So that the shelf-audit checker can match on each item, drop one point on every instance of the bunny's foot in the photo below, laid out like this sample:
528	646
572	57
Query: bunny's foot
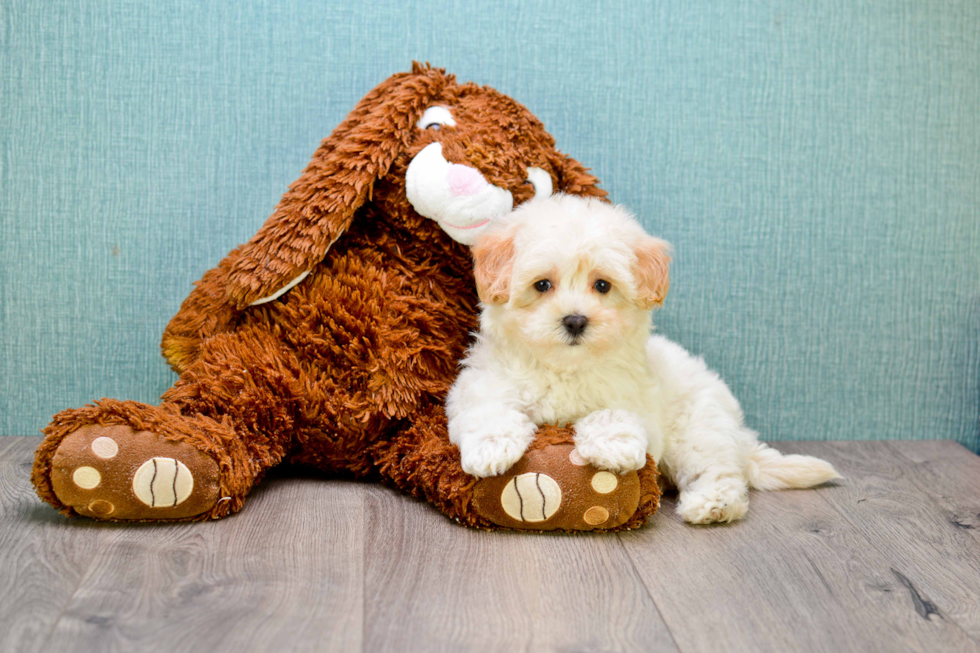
555	488
126	461
117	473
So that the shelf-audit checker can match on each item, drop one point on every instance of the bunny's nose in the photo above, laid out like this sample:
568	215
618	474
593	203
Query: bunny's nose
575	324
464	180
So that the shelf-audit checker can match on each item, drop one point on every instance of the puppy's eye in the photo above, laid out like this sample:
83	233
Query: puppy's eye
602	286
542	286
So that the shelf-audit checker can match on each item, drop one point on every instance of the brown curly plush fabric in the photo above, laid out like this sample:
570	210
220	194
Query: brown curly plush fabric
347	371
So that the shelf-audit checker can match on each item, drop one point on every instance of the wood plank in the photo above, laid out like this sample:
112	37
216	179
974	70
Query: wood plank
284	574
16	443
950	474
939	561
790	577
886	560
43	556
432	585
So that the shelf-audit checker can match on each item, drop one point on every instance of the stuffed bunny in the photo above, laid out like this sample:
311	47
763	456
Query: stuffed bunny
331	338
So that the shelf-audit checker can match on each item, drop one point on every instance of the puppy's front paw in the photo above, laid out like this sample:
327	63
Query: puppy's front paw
490	442
617	453
613	440
491	456
723	501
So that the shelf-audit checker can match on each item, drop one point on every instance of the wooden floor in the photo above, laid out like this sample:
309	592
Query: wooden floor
887	560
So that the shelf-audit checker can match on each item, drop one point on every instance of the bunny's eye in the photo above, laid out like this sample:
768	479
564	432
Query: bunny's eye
542	286
435	117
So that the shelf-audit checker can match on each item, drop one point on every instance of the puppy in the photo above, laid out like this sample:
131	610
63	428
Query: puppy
568	286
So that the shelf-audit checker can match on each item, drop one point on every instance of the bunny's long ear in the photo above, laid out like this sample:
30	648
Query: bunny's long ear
319	206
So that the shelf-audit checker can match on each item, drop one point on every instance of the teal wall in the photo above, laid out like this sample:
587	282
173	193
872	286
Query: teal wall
815	162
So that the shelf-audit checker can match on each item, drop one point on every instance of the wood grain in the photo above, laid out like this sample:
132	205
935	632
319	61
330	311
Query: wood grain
431	585
790	577
284	575
950	474
43	557
936	562
886	560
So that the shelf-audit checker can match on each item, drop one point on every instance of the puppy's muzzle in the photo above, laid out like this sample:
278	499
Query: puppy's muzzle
575	324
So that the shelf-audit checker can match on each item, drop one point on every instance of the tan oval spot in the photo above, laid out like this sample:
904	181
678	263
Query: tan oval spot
531	497
86	477
576	458
101	508
604	482
105	447
595	515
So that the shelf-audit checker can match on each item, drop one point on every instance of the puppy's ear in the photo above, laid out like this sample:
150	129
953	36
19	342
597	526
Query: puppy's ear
319	207
493	258
651	271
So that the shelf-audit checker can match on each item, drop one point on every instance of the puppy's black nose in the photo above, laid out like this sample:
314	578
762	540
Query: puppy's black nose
575	324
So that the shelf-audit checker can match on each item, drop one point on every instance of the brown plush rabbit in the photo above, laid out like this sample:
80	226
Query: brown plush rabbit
331	338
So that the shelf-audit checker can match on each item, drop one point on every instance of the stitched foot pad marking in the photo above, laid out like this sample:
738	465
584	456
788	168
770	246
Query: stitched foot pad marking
604	482
105	448
531	497
595	515
577	459
115	472
554	488
101	508
163	482
86	477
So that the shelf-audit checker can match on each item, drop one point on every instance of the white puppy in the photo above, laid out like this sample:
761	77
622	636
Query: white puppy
568	286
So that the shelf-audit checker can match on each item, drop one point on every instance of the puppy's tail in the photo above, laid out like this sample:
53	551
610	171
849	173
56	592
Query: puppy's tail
771	470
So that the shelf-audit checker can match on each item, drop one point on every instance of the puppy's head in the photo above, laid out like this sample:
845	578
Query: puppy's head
570	278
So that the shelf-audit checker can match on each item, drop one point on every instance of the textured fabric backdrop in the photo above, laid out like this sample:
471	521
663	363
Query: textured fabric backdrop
816	164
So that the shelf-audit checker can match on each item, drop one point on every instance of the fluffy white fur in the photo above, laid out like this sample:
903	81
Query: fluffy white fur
627	392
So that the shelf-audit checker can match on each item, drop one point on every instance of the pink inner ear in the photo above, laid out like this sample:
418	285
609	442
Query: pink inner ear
464	180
